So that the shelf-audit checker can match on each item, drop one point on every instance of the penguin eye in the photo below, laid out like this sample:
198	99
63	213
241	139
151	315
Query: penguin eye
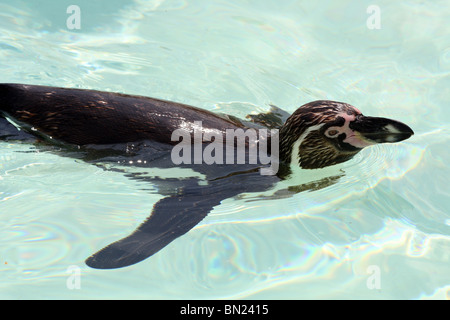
333	132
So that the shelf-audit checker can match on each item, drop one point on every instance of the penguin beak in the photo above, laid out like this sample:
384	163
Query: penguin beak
380	130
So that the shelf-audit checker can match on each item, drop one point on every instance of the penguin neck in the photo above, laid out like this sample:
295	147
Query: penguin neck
291	140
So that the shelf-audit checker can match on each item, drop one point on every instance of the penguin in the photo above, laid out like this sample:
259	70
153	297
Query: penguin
101	127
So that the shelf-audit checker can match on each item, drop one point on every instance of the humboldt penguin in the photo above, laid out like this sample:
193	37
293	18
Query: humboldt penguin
104	127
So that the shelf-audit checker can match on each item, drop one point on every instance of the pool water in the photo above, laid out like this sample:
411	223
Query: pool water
382	231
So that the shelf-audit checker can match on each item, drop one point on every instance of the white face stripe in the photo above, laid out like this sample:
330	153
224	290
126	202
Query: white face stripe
295	158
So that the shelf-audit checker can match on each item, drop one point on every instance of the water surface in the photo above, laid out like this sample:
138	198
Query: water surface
388	214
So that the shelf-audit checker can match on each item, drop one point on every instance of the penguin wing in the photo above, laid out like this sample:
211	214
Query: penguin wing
171	217
175	215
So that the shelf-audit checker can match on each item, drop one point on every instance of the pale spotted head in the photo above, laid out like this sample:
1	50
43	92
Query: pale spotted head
324	133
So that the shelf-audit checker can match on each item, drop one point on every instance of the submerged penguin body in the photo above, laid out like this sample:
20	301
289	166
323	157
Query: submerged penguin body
101	126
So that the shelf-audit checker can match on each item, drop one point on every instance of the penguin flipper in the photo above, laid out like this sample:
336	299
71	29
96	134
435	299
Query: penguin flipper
9	132
171	218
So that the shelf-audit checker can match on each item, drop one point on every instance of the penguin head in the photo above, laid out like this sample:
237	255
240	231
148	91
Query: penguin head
323	133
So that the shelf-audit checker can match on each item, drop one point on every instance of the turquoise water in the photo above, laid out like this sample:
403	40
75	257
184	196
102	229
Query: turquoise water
381	232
